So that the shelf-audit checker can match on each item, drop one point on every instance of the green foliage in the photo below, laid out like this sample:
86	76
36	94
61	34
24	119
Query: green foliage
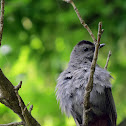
37	40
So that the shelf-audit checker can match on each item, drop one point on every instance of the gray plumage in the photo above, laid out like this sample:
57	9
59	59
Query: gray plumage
72	82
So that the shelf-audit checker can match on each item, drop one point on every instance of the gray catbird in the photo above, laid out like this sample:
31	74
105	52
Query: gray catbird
71	86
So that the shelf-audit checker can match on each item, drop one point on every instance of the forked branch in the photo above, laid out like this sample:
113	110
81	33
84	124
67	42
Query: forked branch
10	97
89	86
106	65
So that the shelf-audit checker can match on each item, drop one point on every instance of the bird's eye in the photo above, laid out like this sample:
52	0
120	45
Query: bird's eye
85	49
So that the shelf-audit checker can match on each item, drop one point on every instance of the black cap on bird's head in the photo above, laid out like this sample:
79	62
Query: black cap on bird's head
84	50
85	42
89	43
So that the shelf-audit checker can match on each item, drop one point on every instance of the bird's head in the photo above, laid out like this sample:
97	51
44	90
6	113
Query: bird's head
84	50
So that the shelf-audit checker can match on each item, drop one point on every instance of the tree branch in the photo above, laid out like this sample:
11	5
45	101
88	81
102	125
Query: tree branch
10	96
106	65
89	86
30	109
81	20
1	20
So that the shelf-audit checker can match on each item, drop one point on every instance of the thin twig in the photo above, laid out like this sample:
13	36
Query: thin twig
13	124
81	20
30	109
20	102
18	86
24	111
102	31
26	107
106	65
19	98
1	20
89	86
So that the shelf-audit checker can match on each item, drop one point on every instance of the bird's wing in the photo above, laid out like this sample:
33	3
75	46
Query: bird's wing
110	106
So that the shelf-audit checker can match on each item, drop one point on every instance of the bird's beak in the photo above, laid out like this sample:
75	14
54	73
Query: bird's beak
101	45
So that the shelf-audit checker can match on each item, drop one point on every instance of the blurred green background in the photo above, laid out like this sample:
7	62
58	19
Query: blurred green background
37	40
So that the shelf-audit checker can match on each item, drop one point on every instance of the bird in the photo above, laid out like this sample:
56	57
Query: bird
71	85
